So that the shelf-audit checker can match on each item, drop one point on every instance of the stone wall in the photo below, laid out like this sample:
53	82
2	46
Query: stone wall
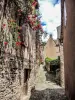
14	58
62	66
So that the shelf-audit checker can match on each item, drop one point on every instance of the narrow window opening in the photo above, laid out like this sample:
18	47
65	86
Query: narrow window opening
26	77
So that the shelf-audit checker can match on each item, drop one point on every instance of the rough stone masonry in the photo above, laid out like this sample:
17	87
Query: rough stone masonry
18	65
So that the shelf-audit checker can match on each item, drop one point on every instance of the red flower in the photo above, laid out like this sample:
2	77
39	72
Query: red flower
32	22
34	16
18	43
20	28
34	3
5	43
28	18
39	26
34	28
22	42
4	25
18	32
19	10
19	37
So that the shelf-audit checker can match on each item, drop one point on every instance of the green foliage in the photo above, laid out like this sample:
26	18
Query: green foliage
43	43
52	61
49	59
31	1
13	35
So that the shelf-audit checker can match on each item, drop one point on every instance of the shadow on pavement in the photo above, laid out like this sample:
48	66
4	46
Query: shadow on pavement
51	76
48	94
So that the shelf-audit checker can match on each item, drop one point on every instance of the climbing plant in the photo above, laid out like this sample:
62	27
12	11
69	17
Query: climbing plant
52	61
28	13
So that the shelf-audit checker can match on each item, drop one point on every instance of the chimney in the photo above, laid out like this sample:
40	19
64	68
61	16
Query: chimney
51	36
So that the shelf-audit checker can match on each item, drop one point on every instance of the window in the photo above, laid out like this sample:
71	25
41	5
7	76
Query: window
26	74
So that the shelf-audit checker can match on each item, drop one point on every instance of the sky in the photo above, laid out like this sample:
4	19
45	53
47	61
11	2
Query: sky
51	16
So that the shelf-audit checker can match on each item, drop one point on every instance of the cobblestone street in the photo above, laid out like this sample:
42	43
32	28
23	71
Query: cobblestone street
46	90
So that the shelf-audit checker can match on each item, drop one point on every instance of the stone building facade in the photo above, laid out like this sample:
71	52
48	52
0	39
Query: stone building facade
61	56
62	32
18	60
50	49
62	66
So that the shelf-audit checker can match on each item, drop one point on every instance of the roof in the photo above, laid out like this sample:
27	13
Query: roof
55	41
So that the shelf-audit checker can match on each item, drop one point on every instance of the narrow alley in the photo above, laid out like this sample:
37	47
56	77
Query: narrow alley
46	90
37	50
